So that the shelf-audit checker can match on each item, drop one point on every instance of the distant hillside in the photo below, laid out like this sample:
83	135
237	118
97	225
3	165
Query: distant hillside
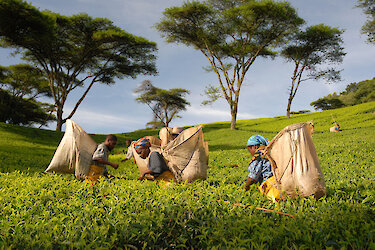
355	93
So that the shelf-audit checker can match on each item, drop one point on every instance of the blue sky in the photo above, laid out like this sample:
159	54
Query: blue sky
265	91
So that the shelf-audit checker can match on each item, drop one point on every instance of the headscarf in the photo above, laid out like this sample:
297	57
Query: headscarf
256	140
142	142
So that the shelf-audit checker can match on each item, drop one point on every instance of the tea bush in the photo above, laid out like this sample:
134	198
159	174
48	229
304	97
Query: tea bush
56	211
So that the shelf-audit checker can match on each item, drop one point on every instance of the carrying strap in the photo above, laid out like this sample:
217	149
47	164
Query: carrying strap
294	149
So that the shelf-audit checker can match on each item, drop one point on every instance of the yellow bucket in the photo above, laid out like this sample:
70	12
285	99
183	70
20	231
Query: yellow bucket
269	188
167	177
94	174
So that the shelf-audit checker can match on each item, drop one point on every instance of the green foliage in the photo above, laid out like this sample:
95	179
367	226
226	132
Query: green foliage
20	85
212	93
355	93
308	50
328	102
56	211
73	51
166	104
231	34
23	80
368	28
299	112
22	111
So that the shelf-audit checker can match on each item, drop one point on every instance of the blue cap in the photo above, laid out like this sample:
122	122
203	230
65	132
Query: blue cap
256	140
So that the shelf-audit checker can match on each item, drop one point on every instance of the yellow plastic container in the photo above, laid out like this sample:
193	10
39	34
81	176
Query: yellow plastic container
269	188
94	174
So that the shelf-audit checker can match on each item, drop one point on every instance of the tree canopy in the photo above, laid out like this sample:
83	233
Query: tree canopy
331	101
314	51
165	104
24	80
22	111
75	51
20	85
368	28
231	34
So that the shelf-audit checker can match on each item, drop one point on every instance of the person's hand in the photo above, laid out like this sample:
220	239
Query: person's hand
115	165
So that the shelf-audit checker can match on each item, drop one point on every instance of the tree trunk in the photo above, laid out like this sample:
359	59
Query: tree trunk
288	107
59	119
233	112
166	123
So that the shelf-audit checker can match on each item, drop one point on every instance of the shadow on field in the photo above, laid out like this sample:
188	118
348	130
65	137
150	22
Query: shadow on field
39	136
213	127
25	158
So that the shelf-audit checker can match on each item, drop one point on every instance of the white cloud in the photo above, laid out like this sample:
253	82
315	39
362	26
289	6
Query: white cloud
101	119
219	114
99	122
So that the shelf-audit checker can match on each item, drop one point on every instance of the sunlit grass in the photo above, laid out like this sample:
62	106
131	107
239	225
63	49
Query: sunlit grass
56	211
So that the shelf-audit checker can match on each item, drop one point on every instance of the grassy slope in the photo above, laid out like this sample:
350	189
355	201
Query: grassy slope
39	210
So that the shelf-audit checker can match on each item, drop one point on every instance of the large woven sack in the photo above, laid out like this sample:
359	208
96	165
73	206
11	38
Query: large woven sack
187	155
295	163
165	135
74	153
154	140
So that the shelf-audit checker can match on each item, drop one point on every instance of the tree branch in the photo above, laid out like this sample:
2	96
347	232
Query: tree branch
80	100
217	73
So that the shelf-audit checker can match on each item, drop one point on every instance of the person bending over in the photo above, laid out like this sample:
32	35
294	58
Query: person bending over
100	159
260	168
156	164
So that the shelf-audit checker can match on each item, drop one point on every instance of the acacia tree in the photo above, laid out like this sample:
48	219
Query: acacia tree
368	28
231	34
165	104
318	45
25	81
76	51
20	85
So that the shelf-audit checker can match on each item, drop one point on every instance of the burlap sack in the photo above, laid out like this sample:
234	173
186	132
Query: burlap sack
154	140
295	163
74	153
187	155
165	135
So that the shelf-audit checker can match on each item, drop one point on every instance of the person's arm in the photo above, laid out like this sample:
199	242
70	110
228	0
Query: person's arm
102	161
99	156
254	173
248	183
129	155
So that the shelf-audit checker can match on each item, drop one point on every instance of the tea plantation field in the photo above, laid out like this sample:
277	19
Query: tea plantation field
56	211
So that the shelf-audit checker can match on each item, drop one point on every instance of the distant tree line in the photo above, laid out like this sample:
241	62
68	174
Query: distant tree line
355	93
